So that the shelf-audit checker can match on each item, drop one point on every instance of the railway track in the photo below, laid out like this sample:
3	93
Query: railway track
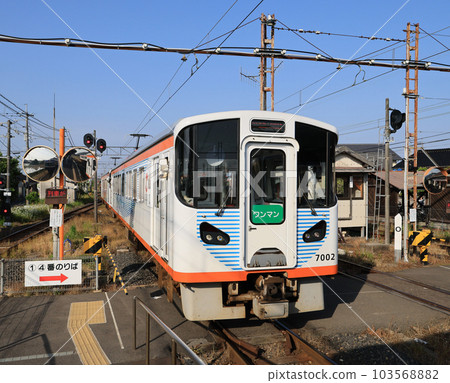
12	240
292	350
416	291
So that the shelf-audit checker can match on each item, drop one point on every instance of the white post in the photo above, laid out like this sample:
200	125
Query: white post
398	238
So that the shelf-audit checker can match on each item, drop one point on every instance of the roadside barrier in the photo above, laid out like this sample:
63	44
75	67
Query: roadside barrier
421	240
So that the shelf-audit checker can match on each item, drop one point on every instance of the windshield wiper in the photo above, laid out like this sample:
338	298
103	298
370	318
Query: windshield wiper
313	211
219	212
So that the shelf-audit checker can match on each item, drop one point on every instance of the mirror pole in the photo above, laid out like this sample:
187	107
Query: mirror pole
61	186
95	178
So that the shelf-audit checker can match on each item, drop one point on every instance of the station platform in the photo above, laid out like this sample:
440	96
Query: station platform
50	329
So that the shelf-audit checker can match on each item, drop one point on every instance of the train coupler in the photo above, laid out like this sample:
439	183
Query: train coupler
270	310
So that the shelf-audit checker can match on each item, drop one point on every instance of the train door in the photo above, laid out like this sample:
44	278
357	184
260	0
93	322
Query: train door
270	205
162	174
156	236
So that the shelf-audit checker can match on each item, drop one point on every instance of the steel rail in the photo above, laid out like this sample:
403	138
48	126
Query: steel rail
421	284
242	352
424	302
67	216
315	355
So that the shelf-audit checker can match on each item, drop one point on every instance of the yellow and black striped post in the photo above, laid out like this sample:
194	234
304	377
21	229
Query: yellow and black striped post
422	240
116	271
94	245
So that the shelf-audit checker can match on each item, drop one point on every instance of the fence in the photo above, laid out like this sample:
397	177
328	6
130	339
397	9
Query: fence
174	337
12	276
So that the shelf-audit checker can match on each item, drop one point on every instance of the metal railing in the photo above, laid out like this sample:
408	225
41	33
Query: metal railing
174	337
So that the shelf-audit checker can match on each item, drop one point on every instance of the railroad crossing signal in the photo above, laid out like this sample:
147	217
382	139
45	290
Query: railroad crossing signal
2	182
396	120
88	140
101	145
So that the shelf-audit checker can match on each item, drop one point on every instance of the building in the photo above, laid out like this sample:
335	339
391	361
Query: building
352	175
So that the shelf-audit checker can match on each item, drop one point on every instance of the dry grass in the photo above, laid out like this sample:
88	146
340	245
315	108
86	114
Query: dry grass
427	344
367	253
77	228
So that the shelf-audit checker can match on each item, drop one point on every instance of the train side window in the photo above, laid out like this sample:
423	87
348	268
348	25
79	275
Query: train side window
134	185
141	184
157	184
206	165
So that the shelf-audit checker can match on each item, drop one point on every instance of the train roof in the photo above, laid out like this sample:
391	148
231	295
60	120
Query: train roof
251	114
246	114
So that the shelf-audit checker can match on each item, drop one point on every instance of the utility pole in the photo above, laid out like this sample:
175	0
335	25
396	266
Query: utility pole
267	45
411	92
412	84
8	159
387	168
27	142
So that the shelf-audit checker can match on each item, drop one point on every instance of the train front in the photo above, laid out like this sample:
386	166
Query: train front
255	214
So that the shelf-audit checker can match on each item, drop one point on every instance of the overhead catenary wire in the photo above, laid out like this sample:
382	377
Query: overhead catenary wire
201	65
183	61
317	32
380	51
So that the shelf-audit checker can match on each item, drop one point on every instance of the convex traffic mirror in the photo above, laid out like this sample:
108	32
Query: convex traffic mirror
40	163
78	164
435	180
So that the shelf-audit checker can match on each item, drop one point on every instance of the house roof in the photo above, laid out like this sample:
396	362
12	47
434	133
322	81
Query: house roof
396	178
345	149
372	151
440	156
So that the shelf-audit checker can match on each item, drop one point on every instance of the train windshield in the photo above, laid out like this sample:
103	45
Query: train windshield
207	165
315	166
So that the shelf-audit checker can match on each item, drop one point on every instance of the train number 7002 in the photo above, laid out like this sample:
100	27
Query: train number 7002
325	257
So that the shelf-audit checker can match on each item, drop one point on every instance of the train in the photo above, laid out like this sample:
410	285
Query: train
238	208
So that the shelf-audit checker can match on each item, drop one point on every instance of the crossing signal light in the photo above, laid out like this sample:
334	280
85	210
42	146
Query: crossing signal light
2	182
88	140
397	119
101	145
6	210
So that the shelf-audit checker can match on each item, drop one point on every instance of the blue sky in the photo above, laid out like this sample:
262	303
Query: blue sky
112	94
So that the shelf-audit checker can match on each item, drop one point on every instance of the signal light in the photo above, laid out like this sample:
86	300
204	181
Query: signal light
101	145
397	119
88	140
6	210
2	182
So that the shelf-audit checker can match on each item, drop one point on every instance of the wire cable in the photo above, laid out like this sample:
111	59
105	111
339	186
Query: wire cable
201	65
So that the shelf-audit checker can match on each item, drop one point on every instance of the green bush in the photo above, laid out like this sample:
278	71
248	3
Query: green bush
29	213
76	236
33	198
